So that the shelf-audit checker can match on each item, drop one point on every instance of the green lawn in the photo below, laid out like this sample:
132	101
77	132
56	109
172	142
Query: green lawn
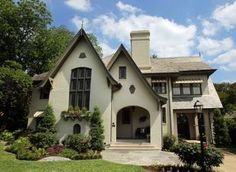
8	162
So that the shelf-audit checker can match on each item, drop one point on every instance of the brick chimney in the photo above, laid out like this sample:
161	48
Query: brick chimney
140	44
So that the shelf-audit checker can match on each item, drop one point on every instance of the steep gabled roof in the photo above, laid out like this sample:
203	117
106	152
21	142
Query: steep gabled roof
80	35
122	49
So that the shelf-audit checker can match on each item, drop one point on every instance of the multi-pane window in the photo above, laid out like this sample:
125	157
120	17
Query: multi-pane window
159	87
187	89
122	72
80	87
176	89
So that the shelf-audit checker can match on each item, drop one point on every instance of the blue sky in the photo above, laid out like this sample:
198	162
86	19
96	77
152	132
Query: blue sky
177	27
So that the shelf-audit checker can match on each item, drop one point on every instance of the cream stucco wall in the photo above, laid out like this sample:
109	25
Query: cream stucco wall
100	94
36	104
141	97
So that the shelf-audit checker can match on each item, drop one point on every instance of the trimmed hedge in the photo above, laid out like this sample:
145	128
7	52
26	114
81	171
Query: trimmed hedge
78	142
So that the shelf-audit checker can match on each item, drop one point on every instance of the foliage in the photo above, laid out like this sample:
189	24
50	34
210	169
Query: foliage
20	143
190	154
88	155
30	154
76	113
43	140
15	91
7	136
227	94
78	142
222	137
212	158
169	142
96	131
187	153
55	150
180	168
47	123
69	153
95	43
231	123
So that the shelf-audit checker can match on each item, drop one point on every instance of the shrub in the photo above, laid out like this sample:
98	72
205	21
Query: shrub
187	153
96	131
30	154
19	144
47	123
43	140
7	136
168	142
55	150
212	158
88	155
78	142
231	123
190	154
222	137
69	153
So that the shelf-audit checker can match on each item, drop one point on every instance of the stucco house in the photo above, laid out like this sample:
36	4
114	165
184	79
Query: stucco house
139	97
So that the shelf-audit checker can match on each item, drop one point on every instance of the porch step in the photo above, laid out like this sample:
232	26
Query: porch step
131	147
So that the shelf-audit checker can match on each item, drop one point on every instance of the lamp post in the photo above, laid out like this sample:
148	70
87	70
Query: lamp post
198	106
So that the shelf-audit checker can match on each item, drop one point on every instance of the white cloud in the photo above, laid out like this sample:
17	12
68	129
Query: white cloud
127	8
77	20
81	5
209	28
167	37
214	47
227	61
226	15
106	49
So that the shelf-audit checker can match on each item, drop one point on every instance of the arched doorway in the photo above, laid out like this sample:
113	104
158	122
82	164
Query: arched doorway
133	122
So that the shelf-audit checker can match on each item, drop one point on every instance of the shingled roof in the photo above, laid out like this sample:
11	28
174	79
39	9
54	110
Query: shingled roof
174	65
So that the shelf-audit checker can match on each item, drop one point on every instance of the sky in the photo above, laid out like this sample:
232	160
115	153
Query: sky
177	27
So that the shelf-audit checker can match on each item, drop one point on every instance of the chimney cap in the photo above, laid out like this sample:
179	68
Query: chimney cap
139	32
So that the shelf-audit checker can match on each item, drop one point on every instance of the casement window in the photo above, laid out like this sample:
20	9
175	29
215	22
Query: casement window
125	116
187	89
44	93
122	72
163	115
159	87
76	129
176	89
80	87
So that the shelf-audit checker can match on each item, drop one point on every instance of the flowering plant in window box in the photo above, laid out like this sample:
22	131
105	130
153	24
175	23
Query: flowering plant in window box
76	113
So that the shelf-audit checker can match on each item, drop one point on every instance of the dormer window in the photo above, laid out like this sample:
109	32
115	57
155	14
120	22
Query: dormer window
122	72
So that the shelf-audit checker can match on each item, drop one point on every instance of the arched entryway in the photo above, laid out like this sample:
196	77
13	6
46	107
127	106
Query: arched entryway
133	122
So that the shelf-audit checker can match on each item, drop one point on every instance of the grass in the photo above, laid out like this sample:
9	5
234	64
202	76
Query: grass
9	163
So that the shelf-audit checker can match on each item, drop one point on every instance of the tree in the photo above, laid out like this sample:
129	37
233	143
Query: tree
96	131
47	123
15	91
20	23
95	43
221	130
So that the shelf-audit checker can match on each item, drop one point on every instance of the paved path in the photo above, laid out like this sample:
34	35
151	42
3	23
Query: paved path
140	157
229	163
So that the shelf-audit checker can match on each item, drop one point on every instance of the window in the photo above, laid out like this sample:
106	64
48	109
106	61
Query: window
164	115
196	89
187	89
44	93
125	116
76	129
122	72
80	87
159	87
176	89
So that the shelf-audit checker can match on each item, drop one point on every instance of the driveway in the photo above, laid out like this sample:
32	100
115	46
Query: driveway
229	161
140	157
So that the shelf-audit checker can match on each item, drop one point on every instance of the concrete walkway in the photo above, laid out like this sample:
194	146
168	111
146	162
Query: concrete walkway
140	157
